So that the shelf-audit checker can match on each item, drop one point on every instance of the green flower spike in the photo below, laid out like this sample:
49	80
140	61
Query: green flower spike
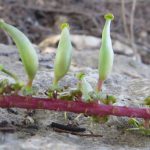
63	55
106	54
27	52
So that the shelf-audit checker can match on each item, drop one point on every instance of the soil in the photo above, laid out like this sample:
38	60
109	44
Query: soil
129	82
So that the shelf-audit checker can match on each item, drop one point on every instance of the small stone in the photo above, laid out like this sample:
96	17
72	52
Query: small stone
121	48
82	42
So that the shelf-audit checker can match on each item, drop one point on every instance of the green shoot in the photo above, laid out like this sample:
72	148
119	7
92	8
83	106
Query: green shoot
63	55
27	52
2	69
106	54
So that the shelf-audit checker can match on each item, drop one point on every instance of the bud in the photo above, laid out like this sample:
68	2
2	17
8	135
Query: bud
85	87
106	54
63	54
27	52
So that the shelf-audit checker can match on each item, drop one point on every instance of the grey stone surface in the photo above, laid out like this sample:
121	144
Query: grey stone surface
129	82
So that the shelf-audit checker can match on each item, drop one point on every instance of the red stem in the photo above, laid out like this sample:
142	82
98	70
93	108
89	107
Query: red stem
99	85
72	106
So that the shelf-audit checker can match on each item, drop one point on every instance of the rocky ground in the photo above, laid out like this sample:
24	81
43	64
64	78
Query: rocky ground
129	82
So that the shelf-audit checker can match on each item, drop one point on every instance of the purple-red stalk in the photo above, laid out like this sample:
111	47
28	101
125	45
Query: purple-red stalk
91	109
99	85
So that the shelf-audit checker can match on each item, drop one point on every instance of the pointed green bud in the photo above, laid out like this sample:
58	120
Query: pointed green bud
27	52
106	54
85	87
63	54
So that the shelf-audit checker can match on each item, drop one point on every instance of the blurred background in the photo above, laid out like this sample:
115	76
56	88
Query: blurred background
39	19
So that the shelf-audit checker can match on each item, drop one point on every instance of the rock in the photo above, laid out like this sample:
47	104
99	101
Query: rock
50	41
121	48
145	54
7	50
80	42
49	50
84	42
86	58
129	82
122	64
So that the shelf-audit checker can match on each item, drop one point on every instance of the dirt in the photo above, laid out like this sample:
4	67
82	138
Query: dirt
129	82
